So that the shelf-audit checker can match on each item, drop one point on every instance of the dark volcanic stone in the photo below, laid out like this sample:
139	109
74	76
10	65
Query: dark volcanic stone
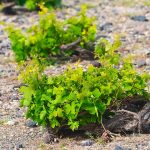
139	18
8	10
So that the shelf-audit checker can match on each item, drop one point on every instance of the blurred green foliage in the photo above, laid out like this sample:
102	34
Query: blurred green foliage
33	4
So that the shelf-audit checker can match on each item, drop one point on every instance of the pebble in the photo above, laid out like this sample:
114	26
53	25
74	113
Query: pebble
19	146
6	44
140	63
138	146
19	113
11	122
147	116
147	68
148	61
1	32
30	124
148	55
118	147
96	64
87	142
107	27
143	146
14	97
139	18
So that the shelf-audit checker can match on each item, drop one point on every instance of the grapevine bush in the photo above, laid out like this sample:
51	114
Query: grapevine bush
78	97
45	39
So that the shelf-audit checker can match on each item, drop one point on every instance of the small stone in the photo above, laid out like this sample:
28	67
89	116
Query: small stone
56	140
31	124
107	26
138	146
96	64
139	18
148	55
148	61
147	116
19	145
1	32
19	114
13	97
146	128
147	68
87	142
118	147
140	63
78	9
11	122
6	44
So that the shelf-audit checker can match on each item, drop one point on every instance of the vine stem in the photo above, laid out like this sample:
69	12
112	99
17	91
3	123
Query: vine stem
107	131
103	125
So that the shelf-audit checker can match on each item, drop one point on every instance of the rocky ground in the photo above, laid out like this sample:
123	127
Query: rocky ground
130	19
